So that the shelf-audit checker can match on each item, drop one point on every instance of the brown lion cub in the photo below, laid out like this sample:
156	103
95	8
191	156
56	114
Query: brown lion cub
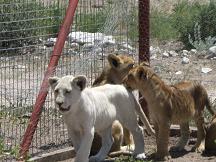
117	68
210	141
171	104
115	71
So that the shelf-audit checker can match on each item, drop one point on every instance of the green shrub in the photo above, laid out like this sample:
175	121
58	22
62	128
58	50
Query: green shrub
161	26
207	20
200	43
22	23
90	22
186	16
95	21
133	32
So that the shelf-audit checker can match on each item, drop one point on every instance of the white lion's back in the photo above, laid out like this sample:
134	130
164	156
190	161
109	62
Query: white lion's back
114	95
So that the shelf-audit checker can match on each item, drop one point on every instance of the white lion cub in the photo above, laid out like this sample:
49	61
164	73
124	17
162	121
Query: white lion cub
89	110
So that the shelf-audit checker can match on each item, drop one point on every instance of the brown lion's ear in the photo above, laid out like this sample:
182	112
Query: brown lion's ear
141	73
53	81
80	82
113	60
145	63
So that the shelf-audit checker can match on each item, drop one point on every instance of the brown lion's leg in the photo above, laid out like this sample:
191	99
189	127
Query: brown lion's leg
96	144
201	133
156	136
156	130
185	132
117	134
162	142
128	138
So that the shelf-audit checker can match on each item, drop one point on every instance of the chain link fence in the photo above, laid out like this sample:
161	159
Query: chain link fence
183	41
182	46
28	32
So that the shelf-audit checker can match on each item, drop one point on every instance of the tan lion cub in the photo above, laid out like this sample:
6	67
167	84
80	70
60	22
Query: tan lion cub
171	104
117	68
115	71
89	110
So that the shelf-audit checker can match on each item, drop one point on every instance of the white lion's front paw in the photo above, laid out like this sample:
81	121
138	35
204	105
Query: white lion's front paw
140	156
94	159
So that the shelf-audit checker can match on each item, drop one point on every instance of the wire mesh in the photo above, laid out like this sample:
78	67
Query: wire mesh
181	46
28	32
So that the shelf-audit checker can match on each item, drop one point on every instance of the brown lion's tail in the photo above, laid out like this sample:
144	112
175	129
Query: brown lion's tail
201	97
143	117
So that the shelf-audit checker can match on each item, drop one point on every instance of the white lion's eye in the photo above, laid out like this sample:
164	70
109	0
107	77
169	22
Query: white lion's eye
56	91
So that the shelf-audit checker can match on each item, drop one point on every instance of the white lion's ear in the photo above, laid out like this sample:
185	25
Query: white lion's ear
80	82
53	81
113	60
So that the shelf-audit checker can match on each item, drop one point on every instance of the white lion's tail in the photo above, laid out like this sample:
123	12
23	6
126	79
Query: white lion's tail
143	117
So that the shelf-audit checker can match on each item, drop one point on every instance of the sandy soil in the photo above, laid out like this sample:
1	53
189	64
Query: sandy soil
184	156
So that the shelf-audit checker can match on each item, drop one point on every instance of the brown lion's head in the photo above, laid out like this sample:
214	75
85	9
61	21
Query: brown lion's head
138	76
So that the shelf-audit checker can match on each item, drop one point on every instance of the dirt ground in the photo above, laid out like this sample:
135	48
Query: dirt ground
184	156
167	68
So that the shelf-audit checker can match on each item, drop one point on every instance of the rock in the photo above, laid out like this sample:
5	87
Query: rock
156	50
72	52
193	51
98	50
175	60
125	45
88	47
151	48
165	54
82	37
185	60
211	52
153	57
206	70
178	72
74	45
185	52
173	53
108	41
94	38
122	51
26	115
50	42
212	49
20	67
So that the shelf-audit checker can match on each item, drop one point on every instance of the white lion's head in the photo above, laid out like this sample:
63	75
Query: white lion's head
67	90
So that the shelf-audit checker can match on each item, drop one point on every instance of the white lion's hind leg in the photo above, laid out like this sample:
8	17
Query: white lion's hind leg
107	142
138	137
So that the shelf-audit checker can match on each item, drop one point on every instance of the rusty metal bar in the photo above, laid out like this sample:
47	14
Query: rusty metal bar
144	43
